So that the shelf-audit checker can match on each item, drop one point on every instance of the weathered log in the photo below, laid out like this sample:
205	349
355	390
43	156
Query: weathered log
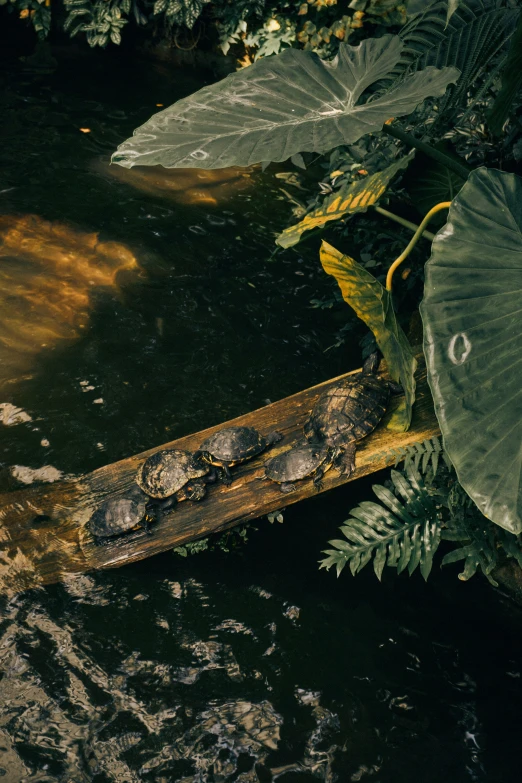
34	553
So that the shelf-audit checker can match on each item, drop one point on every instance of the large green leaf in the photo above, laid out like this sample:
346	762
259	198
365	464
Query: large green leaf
472	316
281	105
353	197
373	304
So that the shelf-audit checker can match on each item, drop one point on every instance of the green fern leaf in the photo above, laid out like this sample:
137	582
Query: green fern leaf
403	532
470	40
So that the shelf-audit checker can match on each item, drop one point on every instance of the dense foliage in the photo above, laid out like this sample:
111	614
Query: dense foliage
419	507
253	28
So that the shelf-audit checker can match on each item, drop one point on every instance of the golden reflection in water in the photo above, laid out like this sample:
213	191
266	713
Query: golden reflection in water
184	186
47	273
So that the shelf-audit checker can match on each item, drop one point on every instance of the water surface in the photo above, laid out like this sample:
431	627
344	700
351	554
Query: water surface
134	311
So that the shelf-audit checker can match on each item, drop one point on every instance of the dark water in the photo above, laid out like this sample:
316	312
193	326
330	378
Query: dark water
249	666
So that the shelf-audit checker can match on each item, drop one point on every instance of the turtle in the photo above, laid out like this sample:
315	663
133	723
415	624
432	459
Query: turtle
170	476
119	515
349	410
233	445
302	461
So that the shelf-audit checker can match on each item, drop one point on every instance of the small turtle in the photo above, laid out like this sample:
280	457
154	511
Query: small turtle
170	476
233	445
304	460
119	515
350	410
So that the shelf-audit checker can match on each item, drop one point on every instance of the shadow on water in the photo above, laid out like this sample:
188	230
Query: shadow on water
250	666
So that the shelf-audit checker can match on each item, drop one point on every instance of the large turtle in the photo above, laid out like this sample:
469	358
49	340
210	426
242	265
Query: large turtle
120	515
305	460
170	476
348	411
233	445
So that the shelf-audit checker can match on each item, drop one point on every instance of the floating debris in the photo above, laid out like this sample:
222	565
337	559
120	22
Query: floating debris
11	415
27	475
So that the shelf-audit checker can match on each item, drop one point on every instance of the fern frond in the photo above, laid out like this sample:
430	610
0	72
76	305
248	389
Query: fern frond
403	533
477	31
424	456
483	543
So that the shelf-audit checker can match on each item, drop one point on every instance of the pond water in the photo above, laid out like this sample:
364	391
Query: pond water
139	307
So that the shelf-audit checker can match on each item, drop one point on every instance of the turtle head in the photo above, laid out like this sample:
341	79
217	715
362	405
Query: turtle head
371	365
274	437
195	490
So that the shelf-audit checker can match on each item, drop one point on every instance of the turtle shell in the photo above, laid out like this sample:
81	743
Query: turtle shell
349	410
234	444
165	472
118	515
296	463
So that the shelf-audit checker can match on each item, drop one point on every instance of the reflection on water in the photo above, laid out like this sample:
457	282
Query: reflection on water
226	668
48	272
185	186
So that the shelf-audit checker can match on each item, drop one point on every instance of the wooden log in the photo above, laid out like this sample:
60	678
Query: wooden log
34	553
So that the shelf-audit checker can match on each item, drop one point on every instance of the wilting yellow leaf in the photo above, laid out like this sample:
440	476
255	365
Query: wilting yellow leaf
352	197
85	130
373	305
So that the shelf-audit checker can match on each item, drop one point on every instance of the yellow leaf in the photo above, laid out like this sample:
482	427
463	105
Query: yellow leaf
350	198
373	305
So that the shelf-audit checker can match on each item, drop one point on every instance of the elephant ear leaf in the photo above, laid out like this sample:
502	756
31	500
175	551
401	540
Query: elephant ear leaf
473	341
349	199
280	106
373	304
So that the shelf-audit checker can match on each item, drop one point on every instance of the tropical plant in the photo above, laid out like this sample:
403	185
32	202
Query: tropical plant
255	28
282	106
472	326
416	512
400	534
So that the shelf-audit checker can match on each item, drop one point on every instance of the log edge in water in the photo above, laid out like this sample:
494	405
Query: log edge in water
36	553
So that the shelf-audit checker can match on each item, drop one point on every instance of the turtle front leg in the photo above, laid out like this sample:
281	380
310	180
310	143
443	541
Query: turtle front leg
346	461
154	511
308	429
318	478
395	388
227	477
286	487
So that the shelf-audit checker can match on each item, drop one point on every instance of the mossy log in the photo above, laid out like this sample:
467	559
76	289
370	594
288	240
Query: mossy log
34	553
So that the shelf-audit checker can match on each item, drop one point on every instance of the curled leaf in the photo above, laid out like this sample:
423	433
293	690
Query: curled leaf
373	304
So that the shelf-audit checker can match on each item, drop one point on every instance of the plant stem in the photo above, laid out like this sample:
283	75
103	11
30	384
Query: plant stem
415	238
404	222
461	169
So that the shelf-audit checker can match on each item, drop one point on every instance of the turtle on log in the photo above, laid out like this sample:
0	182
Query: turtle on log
170	476
233	445
119	515
349	410
304	460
